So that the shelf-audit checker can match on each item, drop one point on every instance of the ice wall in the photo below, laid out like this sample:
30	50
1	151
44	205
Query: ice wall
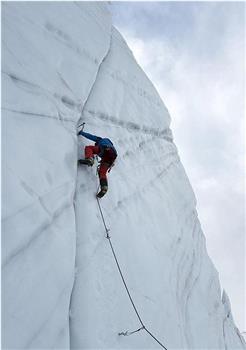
50	56
63	63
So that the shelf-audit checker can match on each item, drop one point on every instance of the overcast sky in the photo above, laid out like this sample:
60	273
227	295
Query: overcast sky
193	52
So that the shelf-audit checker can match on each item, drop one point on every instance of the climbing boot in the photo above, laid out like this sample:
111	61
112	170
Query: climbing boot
104	188
102	192
87	161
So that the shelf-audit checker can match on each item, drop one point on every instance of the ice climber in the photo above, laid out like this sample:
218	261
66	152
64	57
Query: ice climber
104	148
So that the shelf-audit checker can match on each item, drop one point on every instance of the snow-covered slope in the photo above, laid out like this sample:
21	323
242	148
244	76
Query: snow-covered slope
63	63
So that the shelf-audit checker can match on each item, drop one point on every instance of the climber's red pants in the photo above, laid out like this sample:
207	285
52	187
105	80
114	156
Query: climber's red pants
106	162
91	150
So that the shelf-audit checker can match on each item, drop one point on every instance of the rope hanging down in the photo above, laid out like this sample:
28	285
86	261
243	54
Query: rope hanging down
127	333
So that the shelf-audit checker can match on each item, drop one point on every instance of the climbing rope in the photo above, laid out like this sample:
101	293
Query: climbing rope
127	333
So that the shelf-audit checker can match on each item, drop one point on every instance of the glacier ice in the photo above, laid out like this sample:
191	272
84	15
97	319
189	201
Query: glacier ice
64	62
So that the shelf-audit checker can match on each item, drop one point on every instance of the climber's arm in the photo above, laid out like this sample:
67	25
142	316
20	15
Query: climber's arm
90	136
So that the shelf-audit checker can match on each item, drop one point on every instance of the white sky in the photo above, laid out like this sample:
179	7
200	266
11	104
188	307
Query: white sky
194	54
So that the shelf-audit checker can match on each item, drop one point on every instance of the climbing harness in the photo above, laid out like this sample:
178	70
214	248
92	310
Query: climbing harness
127	333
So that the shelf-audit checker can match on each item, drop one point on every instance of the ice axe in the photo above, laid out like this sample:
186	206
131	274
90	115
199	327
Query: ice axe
83	125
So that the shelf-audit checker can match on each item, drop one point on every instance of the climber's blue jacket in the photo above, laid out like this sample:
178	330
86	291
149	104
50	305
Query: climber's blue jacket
101	142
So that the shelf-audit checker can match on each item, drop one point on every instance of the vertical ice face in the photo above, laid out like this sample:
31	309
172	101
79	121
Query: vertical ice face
64	62
50	56
150	210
